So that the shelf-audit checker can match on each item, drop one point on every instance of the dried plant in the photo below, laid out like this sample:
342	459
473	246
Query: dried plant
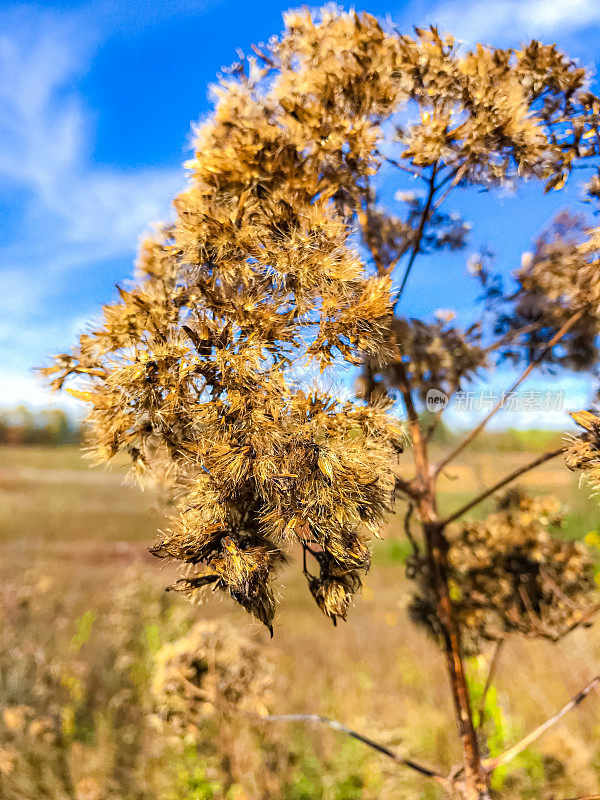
513	571
281	259
209	666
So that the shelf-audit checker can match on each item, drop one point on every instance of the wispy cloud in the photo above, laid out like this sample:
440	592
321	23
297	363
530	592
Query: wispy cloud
66	214
497	21
45	134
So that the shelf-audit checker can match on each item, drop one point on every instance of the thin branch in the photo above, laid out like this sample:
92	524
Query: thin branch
449	176
419	445
438	414
502	483
511	335
469	438
415	173
488	682
407	398
537	624
364	216
433	427
405	486
558	591
338	726
317	719
263	57
491	764
417	245
458	175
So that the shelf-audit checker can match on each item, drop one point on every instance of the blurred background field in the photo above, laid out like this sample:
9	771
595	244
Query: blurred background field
84	612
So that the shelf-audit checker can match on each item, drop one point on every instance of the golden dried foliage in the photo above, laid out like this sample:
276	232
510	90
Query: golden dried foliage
213	666
192	370
583	452
279	261
557	280
512	572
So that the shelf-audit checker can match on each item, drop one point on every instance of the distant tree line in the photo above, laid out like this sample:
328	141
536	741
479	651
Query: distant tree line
21	425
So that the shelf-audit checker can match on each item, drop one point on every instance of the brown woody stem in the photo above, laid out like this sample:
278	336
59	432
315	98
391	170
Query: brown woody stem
475	784
475	775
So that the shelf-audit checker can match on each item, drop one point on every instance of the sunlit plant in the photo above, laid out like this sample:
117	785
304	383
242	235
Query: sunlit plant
283	264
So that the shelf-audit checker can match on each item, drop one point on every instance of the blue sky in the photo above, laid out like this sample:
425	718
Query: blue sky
96	103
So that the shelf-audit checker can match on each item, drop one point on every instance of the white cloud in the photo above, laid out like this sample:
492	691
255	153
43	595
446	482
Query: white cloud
45	133
65	214
22	389
496	21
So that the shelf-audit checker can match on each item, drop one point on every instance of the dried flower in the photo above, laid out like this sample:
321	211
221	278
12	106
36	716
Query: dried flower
513	572
212	666
583	451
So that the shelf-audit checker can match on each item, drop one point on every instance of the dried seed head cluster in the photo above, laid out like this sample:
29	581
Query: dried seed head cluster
498	113
191	368
427	356
212	666
583	451
559	278
315	475
512	572
333	587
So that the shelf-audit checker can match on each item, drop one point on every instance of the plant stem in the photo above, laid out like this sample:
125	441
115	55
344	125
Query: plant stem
511	336
488	682
469	438
512	752
475	781
456	177
423	221
503	482
416	434
317	719
338	726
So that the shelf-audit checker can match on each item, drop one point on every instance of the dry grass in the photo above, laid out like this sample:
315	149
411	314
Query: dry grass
83	613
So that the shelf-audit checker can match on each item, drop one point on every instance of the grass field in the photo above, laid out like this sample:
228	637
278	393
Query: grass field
84	611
